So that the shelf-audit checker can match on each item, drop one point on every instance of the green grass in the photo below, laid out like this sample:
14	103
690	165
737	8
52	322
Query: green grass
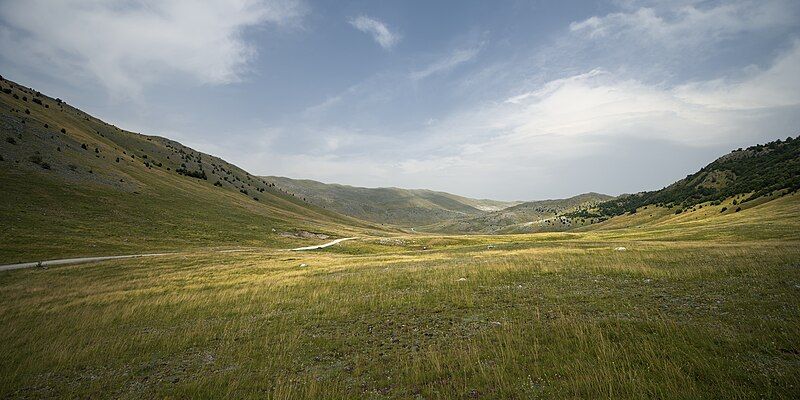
42	219
535	316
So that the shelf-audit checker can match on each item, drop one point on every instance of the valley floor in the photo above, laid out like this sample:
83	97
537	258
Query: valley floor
526	316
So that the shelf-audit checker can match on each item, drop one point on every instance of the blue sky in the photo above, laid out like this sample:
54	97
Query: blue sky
506	100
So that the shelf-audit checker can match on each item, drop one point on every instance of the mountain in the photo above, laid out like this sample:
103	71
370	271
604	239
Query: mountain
531	216
74	185
402	207
750	173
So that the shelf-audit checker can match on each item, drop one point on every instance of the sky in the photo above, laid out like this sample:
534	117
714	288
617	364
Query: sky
509	100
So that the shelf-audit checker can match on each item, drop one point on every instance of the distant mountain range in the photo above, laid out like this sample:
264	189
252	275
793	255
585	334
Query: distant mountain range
403	207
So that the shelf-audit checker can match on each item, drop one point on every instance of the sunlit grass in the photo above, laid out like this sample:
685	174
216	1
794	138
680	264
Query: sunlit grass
526	318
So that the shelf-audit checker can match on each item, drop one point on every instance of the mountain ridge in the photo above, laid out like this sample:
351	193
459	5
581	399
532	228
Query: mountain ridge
387	205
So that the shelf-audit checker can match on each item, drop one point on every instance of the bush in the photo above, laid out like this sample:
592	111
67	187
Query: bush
723	209
11	140
63	130
194	174
738	209
36	159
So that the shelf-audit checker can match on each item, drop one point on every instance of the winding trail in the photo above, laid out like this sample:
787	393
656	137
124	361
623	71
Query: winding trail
83	260
322	246
70	261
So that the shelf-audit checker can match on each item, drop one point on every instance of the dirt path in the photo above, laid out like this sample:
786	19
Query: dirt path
322	246
83	260
70	261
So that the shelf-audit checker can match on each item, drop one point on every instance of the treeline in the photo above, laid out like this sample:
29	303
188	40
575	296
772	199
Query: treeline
759	169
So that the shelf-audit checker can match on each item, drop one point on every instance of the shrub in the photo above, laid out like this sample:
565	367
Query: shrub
11	140
36	159
194	174
83	146
738	209
45	165
723	209
63	130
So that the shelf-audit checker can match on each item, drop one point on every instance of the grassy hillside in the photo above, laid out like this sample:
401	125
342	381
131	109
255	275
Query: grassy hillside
757	171
696	307
403	207
531	216
73	185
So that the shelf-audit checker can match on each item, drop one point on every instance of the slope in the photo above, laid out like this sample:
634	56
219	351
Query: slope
403	207
73	185
758	170
531	216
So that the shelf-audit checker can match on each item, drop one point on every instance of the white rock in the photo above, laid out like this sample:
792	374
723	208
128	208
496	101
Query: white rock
462	279
303	265
620	249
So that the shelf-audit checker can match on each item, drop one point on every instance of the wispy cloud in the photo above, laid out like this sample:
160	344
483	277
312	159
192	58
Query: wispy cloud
687	24
126	45
447	63
377	29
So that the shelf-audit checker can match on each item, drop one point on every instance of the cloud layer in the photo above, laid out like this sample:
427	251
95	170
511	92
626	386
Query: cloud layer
127	44
609	111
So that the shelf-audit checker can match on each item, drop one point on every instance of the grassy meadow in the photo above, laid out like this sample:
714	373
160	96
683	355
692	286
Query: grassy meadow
690	309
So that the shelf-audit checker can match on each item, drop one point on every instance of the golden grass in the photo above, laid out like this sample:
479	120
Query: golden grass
691	309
